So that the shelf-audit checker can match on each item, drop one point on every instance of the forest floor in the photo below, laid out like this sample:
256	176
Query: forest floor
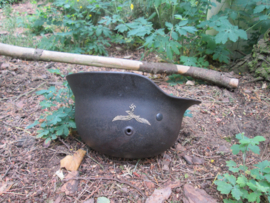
28	167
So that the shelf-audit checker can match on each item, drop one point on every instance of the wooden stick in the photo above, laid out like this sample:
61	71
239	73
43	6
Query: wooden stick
215	77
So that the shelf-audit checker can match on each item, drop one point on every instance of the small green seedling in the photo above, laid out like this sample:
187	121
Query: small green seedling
59	116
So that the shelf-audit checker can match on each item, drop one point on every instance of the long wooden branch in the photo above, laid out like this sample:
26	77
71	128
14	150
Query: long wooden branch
215	77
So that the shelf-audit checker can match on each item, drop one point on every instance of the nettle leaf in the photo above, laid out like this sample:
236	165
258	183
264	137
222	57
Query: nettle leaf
71	124
258	139
241	136
267	177
174	35
230	178
54	137
254	196
32	125
42	133
243	167
235	149
223	187
263	17
236	193
189	61
46	104
230	33
254	149
259	8
233	15
231	165
252	185
242	181
262	165
182	23
169	25
255	173
189	29
261	188
121	28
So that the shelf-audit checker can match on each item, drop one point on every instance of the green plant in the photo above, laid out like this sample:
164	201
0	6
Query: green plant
246	184
58	118
4	3
168	27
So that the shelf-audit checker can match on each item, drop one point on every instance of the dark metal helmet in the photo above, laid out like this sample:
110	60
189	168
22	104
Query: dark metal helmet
125	114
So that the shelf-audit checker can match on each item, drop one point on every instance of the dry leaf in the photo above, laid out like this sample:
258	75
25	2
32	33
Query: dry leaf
159	195
5	186
71	186
72	163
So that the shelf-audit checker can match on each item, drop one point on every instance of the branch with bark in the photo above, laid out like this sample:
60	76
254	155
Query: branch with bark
215	77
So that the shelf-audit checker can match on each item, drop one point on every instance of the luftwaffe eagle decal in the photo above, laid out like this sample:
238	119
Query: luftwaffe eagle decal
130	116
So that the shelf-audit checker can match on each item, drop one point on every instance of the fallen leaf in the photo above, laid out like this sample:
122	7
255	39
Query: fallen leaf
71	186
159	195
192	195
127	57
72	163
60	174
103	200
5	186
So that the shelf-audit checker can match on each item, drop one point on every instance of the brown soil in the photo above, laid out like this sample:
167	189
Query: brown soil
30	166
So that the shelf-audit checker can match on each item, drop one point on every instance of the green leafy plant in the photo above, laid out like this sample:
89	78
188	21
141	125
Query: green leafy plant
168	27
245	183
58	118
4	3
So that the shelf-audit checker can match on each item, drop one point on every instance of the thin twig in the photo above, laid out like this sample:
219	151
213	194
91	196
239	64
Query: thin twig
93	159
6	173
24	94
93	192
64	143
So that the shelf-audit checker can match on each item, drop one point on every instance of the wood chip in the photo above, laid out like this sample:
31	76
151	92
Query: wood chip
192	195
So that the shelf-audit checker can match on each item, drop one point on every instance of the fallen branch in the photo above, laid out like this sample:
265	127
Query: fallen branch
215	77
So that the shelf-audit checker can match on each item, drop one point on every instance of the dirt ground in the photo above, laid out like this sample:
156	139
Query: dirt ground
29	166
